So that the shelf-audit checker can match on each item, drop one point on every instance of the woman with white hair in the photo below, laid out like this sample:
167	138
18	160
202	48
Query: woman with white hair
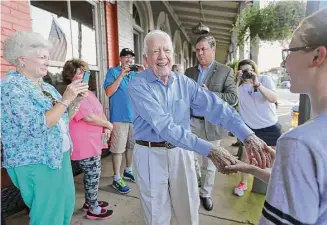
35	131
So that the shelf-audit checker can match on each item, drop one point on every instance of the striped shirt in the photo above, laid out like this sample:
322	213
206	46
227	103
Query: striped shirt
297	190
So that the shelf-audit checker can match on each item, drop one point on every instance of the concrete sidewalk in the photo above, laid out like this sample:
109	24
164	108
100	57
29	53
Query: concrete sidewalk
228	208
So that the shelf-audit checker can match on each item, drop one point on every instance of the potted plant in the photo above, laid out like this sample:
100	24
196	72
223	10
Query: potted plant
276	21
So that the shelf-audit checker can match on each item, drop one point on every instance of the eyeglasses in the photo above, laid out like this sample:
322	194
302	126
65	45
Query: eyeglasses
49	96
287	52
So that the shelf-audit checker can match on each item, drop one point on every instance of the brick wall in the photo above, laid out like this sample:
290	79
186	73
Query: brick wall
112	34
15	16
125	25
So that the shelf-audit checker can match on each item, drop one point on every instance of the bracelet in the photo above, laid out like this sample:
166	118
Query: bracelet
63	104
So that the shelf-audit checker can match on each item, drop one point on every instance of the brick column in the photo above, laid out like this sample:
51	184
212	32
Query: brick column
112	34
15	16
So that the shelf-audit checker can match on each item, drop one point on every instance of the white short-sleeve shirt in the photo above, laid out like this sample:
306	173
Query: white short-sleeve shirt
255	110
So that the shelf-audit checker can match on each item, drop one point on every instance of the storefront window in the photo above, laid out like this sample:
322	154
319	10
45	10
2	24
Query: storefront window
137	35
42	22
72	33
83	31
76	36
136	16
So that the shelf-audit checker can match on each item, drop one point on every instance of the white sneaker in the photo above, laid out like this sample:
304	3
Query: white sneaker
239	190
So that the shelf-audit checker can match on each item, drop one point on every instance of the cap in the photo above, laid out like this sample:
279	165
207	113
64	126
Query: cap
126	51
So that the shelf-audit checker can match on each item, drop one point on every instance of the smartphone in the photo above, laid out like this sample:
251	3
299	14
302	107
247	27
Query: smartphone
86	77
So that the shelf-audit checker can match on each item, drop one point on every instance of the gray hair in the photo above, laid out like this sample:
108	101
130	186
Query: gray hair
152	34
208	38
23	43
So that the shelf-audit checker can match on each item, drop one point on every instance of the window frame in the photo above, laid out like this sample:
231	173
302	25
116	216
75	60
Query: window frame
101	48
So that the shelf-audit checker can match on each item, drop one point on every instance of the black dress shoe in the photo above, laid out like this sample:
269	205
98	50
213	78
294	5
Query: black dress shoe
207	203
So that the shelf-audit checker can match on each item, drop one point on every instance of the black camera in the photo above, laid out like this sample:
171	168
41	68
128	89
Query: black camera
134	68
246	74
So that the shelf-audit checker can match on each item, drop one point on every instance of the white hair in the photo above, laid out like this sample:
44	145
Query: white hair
23	43
152	34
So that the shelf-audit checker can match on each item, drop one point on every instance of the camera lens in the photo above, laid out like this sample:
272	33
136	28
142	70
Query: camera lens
246	74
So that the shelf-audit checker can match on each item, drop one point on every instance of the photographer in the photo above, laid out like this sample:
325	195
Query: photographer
115	85
257	107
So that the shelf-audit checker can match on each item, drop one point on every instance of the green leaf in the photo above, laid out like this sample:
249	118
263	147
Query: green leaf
276	21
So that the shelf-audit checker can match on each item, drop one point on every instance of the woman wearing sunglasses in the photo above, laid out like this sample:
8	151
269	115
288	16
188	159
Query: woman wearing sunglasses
89	130
35	132
297	190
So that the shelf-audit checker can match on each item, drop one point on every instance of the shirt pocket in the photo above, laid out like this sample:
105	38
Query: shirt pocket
181	111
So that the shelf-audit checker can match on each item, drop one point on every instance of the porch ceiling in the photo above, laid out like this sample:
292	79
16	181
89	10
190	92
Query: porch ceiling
219	17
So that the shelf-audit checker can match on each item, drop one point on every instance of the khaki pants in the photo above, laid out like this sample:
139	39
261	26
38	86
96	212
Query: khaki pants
166	180
208	169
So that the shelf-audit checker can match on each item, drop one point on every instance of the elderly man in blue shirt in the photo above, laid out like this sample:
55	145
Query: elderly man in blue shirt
163	168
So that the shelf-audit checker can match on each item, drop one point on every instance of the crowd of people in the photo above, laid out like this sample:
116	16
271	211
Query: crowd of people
169	125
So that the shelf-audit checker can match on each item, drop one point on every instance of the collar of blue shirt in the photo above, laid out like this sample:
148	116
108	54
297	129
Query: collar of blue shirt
206	69
151	77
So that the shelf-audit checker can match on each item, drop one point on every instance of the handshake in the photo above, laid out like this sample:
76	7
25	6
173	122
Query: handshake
259	154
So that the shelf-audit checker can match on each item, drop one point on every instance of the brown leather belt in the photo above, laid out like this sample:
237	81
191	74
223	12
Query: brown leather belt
163	144
198	117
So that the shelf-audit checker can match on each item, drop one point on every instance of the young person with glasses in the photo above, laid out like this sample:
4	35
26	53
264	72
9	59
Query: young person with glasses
297	190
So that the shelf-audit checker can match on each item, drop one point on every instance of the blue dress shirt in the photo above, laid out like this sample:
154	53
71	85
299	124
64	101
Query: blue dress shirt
203	73
162	112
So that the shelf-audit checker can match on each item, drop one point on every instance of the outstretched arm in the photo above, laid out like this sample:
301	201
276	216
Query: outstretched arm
243	167
217	111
